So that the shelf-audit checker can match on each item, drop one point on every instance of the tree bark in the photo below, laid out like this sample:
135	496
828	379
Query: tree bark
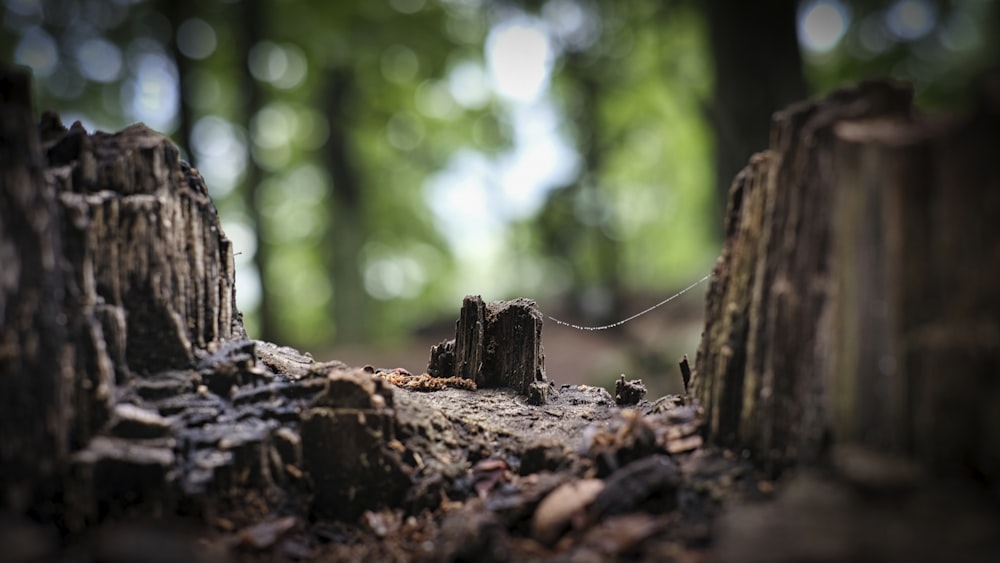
854	301
115	267
32	304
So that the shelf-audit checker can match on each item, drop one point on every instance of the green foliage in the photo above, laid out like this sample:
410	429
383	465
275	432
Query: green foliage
403	125
651	191
948	46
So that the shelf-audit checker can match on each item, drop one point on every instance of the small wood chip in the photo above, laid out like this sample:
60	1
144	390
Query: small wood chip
264	534
682	445
426	382
561	507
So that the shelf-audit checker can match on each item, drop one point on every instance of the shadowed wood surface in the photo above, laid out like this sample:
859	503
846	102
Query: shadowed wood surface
855	301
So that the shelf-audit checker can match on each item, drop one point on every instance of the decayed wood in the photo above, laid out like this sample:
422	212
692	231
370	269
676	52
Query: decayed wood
33	425
144	234
513	349
722	357
470	338
854	300
496	345
114	265
918	355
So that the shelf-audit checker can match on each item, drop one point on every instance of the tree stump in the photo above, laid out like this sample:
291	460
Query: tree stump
496	345
114	266
855	298
34	429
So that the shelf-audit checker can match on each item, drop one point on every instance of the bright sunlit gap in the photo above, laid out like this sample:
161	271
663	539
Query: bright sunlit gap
476	195
519	57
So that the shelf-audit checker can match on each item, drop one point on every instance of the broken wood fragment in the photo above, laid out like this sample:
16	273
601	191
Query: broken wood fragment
685	373
629	392
649	484
346	436
442	362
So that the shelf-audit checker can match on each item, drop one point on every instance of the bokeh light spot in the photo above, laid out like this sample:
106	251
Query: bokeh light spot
152	96
404	131
407	6
220	149
822	24
37	50
519	57
910	19
65	83
196	39
468	84
283	66
100	60
390	274
434	100
274	126
314	129
959	32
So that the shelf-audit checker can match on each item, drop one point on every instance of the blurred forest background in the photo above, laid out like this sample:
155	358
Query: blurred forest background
374	161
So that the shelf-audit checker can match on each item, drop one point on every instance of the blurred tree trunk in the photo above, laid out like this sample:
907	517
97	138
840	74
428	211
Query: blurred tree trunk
249	33
758	70
178	11
346	233
31	301
577	219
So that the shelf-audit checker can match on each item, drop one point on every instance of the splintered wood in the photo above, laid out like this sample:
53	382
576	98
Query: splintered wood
496	345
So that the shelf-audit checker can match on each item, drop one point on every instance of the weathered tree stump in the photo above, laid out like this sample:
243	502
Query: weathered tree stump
114	266
34	430
855	299
496	345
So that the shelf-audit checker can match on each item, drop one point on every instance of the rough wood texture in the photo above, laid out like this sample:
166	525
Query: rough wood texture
918	355
855	298
113	265
470	338
496	345
144	236
33	425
